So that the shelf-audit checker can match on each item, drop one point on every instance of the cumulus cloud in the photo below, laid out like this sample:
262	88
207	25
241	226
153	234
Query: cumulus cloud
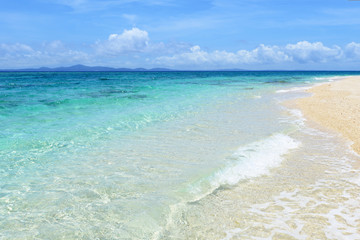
133	48
53	53
13	48
304	52
261	54
10	53
352	50
301	52
133	40
137	41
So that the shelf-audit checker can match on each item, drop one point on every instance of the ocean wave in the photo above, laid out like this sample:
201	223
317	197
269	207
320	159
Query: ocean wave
304	88
252	160
296	117
330	79
294	89
255	159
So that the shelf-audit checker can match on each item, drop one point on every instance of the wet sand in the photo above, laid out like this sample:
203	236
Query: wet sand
336	105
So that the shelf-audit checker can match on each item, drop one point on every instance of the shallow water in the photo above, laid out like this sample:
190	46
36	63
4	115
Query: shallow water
169	155
313	194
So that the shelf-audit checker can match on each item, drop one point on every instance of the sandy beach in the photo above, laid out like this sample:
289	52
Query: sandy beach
336	105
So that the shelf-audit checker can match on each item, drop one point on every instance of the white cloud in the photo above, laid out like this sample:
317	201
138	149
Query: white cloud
198	57
134	40
352	50
305	52
15	48
49	54
261	54
302	52
132	48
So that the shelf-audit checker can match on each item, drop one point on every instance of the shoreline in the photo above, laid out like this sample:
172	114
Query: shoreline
336	106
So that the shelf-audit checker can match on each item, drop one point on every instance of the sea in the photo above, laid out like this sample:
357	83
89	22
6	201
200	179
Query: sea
171	155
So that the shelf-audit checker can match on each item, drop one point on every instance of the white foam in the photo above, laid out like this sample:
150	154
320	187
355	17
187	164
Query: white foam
330	79
296	113
255	159
294	89
299	117
304	88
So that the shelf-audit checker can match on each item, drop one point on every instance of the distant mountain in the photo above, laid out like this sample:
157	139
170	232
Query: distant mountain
231	70
83	68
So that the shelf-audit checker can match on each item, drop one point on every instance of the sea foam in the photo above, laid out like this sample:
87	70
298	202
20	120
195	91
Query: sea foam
251	160
304	88
255	159
294	89
330	79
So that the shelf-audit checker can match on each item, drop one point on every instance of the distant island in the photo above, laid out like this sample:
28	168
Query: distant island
83	68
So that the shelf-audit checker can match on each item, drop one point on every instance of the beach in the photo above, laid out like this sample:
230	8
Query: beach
336	105
170	155
313	194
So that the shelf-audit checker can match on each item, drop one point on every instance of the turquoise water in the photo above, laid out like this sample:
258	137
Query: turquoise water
108	155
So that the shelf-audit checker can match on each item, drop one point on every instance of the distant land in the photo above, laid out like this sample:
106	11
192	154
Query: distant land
83	68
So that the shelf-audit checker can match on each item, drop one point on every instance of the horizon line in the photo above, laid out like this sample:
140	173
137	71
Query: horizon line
85	68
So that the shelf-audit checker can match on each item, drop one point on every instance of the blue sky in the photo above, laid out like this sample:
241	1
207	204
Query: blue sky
198	34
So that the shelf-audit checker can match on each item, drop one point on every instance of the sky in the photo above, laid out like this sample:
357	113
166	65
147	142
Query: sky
181	34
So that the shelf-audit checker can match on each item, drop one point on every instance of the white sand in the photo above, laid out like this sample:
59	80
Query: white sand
336	105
